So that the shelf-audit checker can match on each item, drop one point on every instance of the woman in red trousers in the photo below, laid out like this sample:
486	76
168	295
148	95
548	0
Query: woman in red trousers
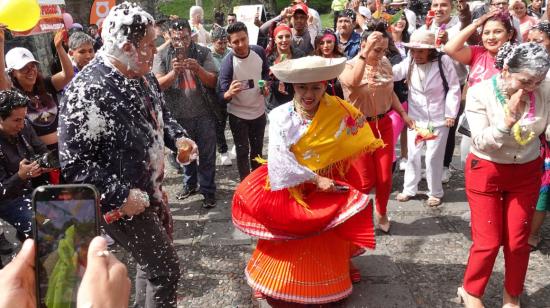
506	114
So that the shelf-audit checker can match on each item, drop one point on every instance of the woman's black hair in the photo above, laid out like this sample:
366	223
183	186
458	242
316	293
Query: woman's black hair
10	100
382	27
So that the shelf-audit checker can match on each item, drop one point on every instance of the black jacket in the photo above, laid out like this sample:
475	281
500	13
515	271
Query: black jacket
12	151
112	133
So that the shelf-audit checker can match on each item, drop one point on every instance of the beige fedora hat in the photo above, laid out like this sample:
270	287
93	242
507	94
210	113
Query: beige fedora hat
309	69
421	39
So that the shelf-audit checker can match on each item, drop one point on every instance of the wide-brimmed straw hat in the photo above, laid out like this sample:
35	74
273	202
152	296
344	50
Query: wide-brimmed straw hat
309	69
421	39
399	2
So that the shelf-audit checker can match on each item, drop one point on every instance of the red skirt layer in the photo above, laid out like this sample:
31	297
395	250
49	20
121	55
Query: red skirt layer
276	215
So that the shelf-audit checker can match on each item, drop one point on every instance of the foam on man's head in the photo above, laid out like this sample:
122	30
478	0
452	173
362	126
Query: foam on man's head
126	22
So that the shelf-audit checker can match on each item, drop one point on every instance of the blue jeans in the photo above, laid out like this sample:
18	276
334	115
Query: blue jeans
202	130
18	213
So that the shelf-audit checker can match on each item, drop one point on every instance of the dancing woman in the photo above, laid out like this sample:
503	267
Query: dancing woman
303	205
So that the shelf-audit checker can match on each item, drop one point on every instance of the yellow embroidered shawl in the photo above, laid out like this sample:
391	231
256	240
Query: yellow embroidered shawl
337	133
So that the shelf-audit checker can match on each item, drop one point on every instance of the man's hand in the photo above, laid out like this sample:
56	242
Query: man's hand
136	203
449	122
187	150
257	21
192	65
462	5
28	169
354	5
105	282
443	37
234	89
17	286
177	66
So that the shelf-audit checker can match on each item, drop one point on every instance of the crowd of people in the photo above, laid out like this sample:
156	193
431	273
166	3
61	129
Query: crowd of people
335	101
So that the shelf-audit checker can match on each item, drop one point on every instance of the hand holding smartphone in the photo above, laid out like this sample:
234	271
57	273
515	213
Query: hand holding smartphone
66	220
246	84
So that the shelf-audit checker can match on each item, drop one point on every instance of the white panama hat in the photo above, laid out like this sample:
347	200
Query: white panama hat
309	69
421	39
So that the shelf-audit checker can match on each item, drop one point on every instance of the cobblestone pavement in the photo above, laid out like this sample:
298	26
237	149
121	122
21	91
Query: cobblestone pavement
419	264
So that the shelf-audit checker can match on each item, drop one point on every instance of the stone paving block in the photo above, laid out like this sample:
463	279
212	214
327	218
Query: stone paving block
376	266
223	233
374	295
221	212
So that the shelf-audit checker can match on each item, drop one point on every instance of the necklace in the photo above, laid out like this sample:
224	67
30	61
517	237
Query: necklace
304	115
517	130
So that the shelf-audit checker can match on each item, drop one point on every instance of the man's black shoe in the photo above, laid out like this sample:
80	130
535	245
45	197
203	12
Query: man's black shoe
187	192
209	202
5	246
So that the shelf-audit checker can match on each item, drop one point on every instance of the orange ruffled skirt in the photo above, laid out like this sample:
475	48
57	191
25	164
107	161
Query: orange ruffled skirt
303	254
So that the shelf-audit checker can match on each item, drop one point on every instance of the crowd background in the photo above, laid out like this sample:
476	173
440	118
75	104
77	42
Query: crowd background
409	67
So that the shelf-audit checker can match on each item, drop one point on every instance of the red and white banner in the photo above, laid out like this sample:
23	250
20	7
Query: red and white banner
51	18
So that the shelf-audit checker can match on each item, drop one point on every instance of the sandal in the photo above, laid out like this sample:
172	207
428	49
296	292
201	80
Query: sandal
463	297
433	201
258	295
401	197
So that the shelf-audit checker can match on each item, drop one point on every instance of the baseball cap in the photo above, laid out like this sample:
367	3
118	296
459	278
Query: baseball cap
18	57
300	7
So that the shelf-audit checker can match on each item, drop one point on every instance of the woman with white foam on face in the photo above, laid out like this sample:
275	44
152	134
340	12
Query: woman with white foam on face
503	171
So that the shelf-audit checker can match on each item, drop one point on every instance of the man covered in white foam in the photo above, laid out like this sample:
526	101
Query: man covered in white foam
112	132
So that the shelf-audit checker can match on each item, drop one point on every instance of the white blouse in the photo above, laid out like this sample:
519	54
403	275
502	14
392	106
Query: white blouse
286	127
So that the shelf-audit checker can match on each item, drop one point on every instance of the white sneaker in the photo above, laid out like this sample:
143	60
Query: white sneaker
446	177
225	160
233	153
402	164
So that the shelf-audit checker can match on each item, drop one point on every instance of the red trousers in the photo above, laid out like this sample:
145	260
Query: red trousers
502	200
375	169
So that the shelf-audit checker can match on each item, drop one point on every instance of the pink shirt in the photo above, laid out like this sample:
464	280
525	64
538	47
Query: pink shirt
482	65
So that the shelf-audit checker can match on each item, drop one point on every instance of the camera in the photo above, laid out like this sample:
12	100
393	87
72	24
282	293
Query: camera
48	160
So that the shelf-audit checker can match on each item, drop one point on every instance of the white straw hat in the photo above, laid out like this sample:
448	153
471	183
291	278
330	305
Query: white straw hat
421	39
309	69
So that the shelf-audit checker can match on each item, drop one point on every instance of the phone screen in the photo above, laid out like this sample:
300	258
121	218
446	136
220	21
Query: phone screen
246	84
66	220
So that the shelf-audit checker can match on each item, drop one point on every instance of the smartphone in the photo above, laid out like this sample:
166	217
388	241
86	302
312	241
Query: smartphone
341	188
65	221
246	84
180	53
